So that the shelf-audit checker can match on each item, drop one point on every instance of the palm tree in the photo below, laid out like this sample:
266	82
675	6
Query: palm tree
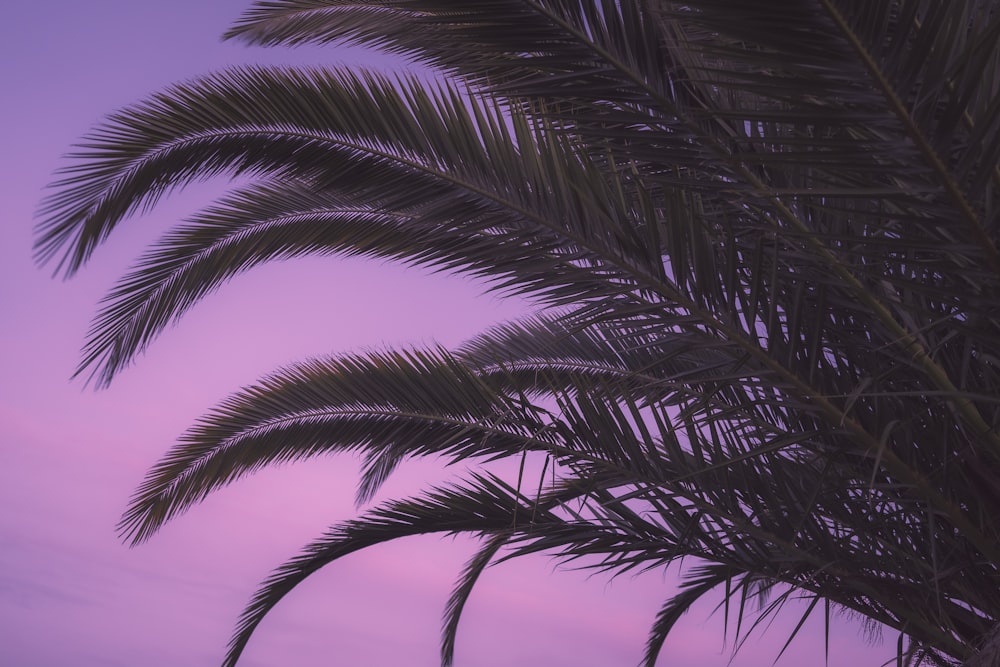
762	237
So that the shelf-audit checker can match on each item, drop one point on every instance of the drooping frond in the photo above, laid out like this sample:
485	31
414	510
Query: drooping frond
484	505
388	406
462	591
264	223
368	128
472	193
699	583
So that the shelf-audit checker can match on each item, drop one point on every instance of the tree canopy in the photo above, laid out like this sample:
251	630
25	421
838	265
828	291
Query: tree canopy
762	238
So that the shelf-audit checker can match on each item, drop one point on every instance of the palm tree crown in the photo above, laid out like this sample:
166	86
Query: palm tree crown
763	237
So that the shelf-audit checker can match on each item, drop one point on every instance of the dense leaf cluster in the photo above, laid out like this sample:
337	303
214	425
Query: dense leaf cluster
763	238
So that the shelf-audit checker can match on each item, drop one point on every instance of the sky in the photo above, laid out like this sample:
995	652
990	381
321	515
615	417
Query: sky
70	456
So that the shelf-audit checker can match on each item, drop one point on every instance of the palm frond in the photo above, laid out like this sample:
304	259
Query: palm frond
460	595
699	583
276	221
441	161
277	121
484	505
389	406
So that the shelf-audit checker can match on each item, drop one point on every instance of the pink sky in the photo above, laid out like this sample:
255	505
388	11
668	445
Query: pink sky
72	594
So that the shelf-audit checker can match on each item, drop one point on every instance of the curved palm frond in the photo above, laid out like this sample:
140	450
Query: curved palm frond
699	583
369	128
458	176
263	223
483	505
389	406
460	595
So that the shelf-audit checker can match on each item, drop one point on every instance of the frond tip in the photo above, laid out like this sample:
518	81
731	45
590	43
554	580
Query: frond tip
389	406
482	505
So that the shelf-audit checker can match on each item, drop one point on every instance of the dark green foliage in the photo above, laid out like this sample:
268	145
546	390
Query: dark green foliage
764	237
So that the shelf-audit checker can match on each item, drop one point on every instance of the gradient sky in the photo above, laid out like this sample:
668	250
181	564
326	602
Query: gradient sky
72	594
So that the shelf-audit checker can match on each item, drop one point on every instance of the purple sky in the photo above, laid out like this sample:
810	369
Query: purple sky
72	594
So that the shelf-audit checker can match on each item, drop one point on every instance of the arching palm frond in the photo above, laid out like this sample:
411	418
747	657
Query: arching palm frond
764	237
456	172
